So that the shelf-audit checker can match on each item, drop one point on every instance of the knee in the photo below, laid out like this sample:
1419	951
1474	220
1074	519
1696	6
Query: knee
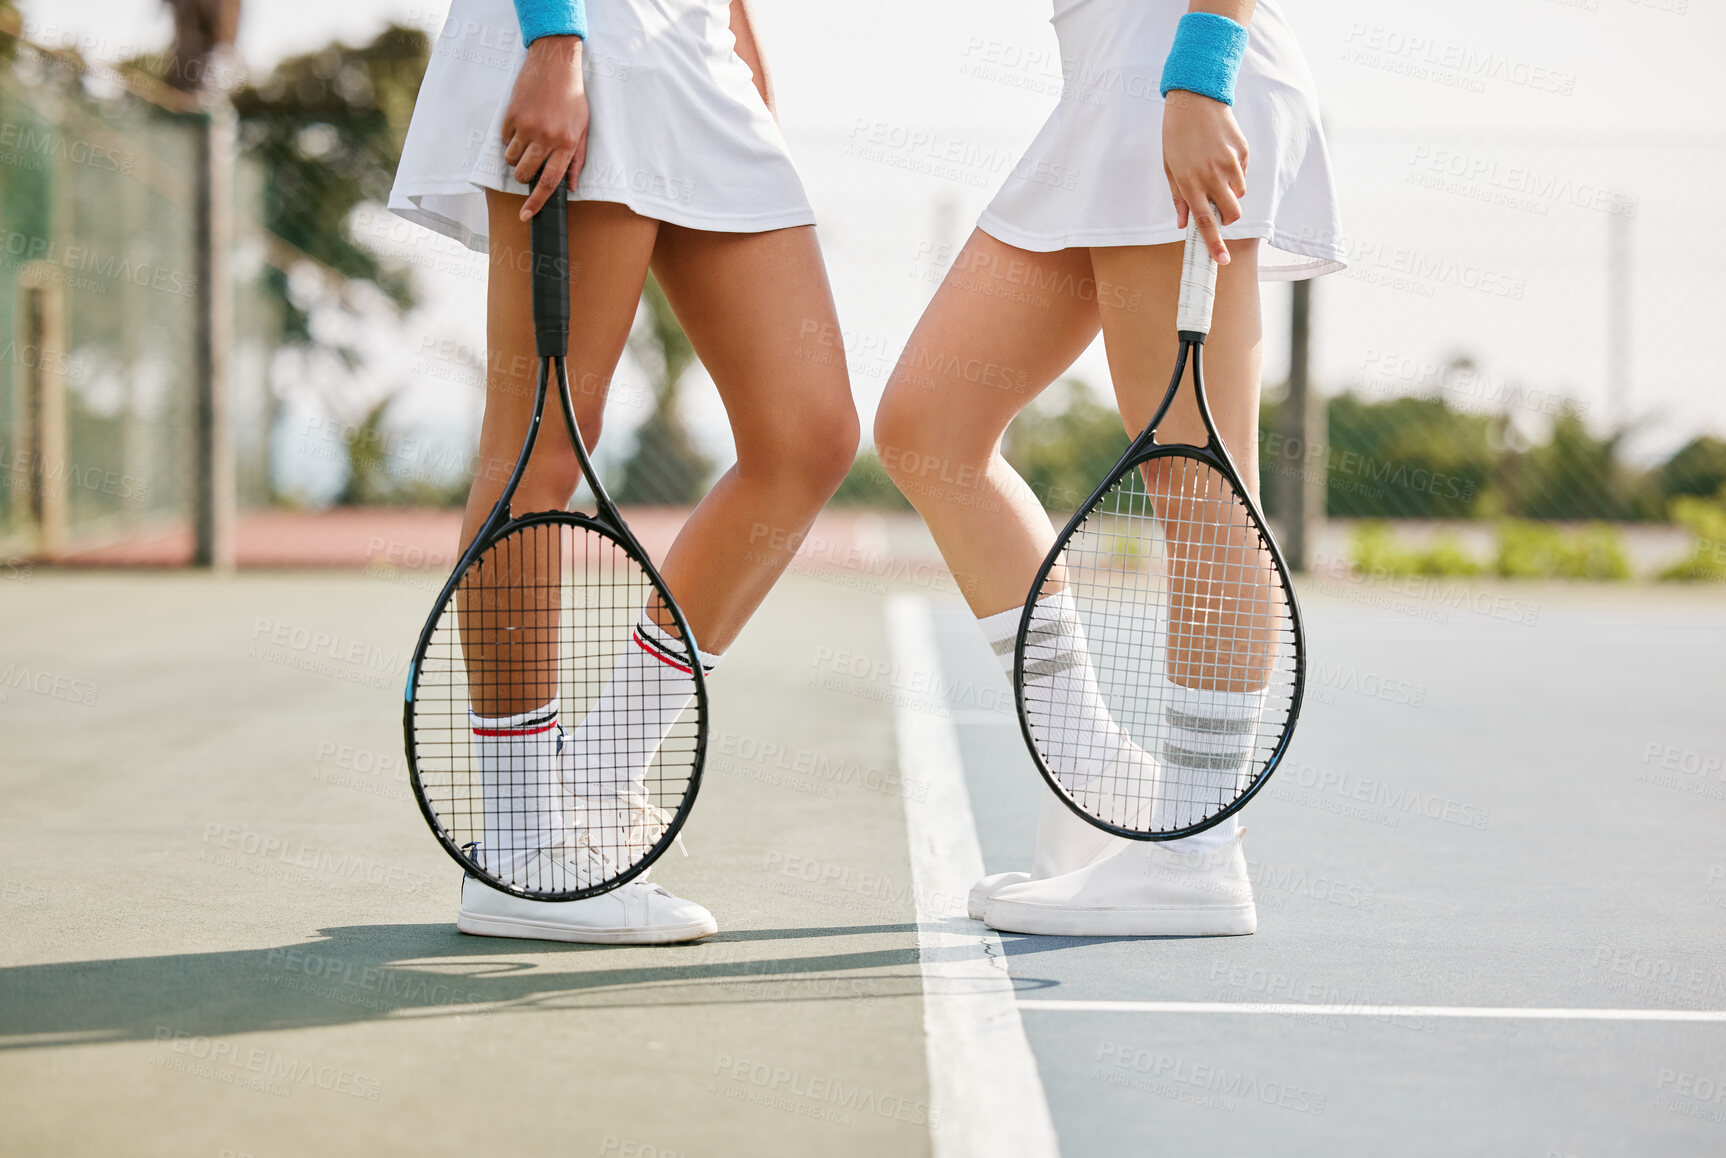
916	435
812	449
553	473
827	445
901	427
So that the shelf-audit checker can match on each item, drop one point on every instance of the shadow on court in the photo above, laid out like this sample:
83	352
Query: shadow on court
359	973
366	972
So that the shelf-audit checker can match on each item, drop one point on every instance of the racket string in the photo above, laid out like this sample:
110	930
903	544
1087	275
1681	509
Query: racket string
1189	632
548	615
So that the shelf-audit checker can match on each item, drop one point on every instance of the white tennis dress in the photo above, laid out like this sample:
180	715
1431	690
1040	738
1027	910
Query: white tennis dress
678	131
1094	175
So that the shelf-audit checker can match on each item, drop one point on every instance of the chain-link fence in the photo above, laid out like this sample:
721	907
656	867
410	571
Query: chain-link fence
98	289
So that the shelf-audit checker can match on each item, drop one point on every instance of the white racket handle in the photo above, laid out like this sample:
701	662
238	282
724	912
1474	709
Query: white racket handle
1198	282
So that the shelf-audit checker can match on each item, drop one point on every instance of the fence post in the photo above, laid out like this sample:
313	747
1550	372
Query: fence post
39	437
213	438
1302	491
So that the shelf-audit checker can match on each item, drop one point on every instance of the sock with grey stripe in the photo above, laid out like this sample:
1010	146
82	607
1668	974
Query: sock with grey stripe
1060	679
1210	744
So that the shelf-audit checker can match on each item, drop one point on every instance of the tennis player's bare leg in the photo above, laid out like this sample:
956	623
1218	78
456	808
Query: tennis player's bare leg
611	247
521	768
758	310
1197	886
1004	324
1219	653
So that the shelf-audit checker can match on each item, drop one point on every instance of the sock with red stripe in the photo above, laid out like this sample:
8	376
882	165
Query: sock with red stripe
608	756
524	806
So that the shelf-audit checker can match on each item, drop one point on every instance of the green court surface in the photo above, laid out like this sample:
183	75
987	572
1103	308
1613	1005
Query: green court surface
235	934
1491	878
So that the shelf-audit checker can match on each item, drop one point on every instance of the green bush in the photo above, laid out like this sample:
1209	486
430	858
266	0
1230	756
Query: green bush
1447	557
1532	550
1706	519
1526	550
867	485
1373	550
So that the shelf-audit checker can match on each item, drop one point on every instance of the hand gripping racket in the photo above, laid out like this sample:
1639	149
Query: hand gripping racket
1158	667
529	634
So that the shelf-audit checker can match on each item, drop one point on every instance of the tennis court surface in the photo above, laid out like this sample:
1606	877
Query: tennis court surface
1491	883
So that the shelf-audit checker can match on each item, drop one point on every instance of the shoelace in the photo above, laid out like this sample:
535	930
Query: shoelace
646	815
634	819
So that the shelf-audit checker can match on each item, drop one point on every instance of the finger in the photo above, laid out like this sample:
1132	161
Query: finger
543	189
1237	175
1180	204
1228	208
532	157
512	147
578	161
557	171
1209	228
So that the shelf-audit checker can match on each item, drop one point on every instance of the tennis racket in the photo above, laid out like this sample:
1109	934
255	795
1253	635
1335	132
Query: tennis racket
1159	663
526	636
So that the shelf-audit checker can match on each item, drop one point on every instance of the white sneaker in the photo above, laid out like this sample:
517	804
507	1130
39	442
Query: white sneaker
637	913
1067	842
1144	890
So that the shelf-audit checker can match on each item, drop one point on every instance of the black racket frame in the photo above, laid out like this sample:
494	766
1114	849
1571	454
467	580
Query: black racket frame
1141	450
549	256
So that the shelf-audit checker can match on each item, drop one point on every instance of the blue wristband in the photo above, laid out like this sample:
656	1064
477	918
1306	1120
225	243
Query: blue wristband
551	18
1206	56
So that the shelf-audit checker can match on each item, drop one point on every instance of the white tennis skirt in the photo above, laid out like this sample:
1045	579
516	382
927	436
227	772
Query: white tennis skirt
1094	175
678	131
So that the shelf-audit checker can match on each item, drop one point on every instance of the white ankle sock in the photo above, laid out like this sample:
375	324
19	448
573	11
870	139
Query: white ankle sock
1065	843
1211	741
519	791
1060	680
1212	727
609	754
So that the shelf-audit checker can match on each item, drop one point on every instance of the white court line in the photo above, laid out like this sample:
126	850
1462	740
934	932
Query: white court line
1381	1011
986	1098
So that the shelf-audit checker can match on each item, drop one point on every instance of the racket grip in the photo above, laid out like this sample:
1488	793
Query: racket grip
548	236
1198	284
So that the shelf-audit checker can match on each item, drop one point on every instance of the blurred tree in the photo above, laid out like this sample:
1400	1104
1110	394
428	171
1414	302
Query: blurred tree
204	30
382	471
1574	475
666	467
1064	444
1406	458
11	27
1698	468
368	482
329	127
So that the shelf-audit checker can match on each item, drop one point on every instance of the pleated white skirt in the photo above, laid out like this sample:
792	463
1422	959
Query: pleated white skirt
678	131
1094	175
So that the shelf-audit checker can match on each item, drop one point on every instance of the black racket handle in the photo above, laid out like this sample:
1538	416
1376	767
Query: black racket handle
549	237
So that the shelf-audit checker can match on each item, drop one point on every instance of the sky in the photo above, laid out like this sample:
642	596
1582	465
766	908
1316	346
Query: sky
1604	123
